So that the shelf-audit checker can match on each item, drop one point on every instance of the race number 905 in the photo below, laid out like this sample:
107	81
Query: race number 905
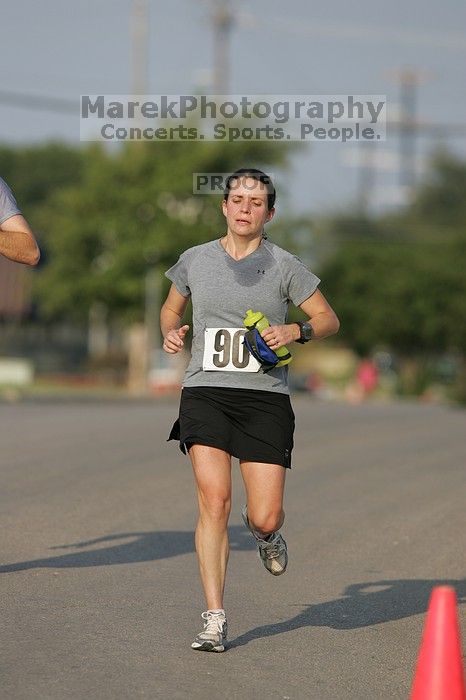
230	349
224	350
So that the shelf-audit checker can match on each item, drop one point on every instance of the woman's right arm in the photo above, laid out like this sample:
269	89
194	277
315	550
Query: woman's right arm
171	315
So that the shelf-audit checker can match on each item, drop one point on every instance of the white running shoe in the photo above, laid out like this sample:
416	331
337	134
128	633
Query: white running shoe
214	635
272	551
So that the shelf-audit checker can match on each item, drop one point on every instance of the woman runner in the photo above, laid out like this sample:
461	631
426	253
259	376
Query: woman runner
229	406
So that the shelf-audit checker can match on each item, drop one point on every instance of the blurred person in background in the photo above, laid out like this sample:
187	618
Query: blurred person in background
367	376
364	383
17	240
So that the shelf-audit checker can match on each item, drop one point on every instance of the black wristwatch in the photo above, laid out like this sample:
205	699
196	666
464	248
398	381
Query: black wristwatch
306	332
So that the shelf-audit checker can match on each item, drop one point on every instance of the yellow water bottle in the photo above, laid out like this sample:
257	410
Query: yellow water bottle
256	319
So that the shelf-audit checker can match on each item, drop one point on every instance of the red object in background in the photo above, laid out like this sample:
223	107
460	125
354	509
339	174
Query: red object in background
367	375
439	670
313	382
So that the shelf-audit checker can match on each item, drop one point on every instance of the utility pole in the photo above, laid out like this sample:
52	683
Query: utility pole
366	176
153	294
222	23
408	83
143	341
407	124
139	47
408	128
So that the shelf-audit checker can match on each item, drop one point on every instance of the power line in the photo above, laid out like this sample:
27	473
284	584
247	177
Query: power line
454	41
45	103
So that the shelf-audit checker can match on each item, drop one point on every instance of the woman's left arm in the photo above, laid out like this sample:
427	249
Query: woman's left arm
321	316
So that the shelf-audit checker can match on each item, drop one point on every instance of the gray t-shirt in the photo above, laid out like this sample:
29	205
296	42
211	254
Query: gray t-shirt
222	289
8	206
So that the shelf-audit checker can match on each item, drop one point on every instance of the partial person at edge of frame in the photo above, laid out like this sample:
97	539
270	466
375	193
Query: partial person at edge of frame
17	241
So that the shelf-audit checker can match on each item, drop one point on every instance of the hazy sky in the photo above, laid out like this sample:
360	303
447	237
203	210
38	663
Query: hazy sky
64	49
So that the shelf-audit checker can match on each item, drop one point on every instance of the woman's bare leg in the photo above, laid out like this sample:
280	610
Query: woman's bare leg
212	471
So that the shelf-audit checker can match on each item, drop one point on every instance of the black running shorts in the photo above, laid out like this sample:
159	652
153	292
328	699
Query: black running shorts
252	425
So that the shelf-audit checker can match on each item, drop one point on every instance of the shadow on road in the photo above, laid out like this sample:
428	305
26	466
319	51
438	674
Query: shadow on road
142	546
361	605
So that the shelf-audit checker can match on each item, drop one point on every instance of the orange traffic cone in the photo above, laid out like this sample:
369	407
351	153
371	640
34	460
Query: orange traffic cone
439	670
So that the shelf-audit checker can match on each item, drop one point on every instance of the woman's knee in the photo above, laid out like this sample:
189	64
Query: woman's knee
266	521
215	505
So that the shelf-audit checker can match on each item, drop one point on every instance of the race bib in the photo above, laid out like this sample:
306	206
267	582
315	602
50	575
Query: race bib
224	351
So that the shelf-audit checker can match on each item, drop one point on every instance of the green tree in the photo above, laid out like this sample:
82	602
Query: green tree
402	294
440	202
398	281
34	172
132	209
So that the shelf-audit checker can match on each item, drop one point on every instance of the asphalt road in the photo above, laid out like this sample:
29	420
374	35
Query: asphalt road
100	590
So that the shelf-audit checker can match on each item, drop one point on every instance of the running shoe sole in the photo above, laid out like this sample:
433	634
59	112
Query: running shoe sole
208	646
